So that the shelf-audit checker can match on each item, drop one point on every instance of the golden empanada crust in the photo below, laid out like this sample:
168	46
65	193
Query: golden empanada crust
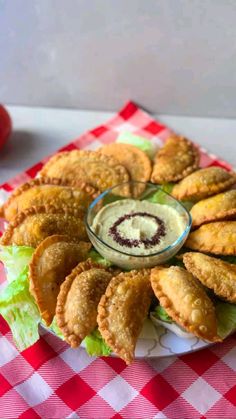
218	238
134	160
52	261
80	293
96	169
185	300
33	225
213	273
176	159
204	183
48	191
218	207
122	311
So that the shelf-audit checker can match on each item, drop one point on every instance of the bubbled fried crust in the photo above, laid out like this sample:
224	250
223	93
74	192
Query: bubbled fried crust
204	183
185	300
51	262
175	160
37	192
74	333
122	311
213	273
96	169
34	224
134	160
218	207
218	238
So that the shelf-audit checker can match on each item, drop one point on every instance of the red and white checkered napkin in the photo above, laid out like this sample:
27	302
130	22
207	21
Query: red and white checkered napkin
50	380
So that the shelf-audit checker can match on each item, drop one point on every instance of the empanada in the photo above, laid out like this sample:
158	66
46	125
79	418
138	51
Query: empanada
213	273
122	311
76	310
52	261
47	191
176	159
96	169
204	183
185	300
33	225
218	238
219	207
134	160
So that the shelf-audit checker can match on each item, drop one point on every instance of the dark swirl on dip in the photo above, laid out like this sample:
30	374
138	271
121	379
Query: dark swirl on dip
152	241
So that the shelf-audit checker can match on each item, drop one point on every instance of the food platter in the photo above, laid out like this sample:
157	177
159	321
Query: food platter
153	341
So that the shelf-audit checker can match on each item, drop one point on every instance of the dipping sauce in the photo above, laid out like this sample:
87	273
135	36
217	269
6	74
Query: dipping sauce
138	227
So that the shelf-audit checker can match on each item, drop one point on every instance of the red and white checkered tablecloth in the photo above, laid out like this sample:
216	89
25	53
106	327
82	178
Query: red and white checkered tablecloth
51	380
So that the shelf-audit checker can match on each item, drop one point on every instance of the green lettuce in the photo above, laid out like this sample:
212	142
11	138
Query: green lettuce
140	142
18	308
96	257
95	345
15	259
17	305
161	314
158	197
226	317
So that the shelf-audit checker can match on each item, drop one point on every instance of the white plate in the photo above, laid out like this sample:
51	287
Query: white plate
157	342
153	341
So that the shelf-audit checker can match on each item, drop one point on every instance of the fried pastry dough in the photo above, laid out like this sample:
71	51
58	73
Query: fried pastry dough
33	225
204	183
80	293
96	169
47	191
52	261
185	300
134	160
176	159
218	238
218	207
213	273
122	311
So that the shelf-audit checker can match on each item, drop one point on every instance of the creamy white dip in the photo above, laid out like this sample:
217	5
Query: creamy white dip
138	227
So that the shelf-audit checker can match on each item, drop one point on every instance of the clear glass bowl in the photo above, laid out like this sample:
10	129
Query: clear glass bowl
129	260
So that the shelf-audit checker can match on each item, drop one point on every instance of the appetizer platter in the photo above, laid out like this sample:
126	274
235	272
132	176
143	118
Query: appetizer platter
125	250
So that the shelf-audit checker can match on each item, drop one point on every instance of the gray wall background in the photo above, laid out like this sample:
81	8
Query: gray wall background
171	56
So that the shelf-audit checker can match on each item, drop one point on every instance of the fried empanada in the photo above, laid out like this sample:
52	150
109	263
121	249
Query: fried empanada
185	300
33	225
218	207
204	183
134	160
218	238
96	169
46	191
213	273
122	311
52	261
80	293
176	159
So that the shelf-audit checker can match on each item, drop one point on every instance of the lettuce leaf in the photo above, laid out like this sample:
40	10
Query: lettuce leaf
95	345
158	197
18	308
140	142
15	259
226	316
161	314
96	257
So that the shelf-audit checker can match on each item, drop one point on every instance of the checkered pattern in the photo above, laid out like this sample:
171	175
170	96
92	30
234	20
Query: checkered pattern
50	380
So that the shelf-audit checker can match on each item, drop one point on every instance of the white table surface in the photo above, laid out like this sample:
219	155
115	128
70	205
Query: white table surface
38	132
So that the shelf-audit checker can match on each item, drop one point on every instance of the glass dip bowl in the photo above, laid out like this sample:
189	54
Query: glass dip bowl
128	258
